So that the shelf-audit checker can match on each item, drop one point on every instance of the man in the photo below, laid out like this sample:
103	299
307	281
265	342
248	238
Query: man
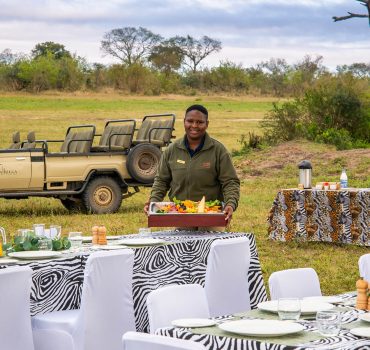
196	166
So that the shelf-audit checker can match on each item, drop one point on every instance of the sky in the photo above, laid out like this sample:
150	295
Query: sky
251	31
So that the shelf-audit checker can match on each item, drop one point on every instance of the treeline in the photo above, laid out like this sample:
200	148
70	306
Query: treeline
152	65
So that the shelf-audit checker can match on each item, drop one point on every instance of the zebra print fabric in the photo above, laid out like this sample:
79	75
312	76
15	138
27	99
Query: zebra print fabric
57	284
316	215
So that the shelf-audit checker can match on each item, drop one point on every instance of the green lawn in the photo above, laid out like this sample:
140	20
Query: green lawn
262	173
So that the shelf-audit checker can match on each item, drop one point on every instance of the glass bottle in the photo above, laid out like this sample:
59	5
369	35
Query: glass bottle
343	179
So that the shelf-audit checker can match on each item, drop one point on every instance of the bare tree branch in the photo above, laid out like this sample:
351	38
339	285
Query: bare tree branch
365	3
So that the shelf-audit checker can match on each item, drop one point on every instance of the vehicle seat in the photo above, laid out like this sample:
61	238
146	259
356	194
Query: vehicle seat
116	137
16	141
31	141
77	142
157	130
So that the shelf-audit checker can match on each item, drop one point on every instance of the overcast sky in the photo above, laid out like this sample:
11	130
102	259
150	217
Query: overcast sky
251	31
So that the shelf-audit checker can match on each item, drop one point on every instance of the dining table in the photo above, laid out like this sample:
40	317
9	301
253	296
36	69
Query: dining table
180	258
215	337
335	216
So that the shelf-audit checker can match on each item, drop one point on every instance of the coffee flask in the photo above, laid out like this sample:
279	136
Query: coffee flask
305	173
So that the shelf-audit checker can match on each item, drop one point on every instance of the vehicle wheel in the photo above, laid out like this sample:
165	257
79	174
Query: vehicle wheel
143	161
73	205
102	195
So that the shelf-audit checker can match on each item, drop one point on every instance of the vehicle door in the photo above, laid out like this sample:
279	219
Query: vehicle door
15	170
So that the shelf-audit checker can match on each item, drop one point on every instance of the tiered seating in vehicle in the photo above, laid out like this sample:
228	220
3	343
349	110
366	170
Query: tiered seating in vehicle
117	135
156	129
78	141
16	141
31	141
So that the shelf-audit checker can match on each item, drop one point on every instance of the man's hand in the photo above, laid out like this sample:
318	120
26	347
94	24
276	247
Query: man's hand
228	210
146	208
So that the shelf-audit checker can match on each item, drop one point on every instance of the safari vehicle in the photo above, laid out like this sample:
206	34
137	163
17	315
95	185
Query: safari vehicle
84	176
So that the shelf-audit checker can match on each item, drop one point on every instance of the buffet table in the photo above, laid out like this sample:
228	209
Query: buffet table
341	216
57	283
213	338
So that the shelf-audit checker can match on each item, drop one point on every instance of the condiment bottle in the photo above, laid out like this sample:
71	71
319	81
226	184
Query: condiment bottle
3	240
102	235
94	231
361	300
343	179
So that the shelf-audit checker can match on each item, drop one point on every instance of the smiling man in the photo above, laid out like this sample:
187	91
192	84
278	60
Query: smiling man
196	166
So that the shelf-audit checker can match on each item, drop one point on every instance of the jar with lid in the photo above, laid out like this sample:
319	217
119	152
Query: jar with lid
305	173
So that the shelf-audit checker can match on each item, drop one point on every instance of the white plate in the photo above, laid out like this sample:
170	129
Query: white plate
363	317
307	307
108	247
109	238
35	255
141	241
361	331
193	322
325	299
265	328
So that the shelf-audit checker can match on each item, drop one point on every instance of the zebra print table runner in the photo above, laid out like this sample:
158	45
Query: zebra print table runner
57	284
317	215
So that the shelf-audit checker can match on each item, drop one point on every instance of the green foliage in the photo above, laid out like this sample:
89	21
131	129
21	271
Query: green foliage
61	243
28	242
253	142
57	51
334	111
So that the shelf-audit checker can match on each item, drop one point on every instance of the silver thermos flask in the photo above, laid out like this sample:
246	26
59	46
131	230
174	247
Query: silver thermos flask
305	173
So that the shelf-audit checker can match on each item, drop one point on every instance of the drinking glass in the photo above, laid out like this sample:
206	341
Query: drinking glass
39	229
328	322
145	232
55	231
289	308
45	243
75	239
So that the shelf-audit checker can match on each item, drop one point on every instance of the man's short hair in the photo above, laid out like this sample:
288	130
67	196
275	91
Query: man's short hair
199	108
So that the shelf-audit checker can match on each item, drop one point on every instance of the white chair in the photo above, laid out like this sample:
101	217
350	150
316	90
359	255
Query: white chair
364	267
226	284
15	321
106	310
173	302
144	341
294	283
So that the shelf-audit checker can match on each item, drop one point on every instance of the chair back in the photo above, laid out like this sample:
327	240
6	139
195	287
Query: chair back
144	341
226	285
15	320
16	141
31	141
294	283
173	302
78	141
118	135
364	267
107	309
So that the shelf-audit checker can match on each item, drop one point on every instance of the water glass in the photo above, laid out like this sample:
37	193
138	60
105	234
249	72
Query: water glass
289	308
45	243
145	232
328	322
55	231
76	239
39	229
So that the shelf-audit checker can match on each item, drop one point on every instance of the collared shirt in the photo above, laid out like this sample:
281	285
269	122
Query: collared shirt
193	152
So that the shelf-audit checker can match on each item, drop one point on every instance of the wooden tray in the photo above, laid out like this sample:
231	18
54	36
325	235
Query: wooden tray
183	219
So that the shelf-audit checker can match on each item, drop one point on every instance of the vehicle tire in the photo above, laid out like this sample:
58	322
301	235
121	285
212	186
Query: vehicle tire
143	161
73	205
102	195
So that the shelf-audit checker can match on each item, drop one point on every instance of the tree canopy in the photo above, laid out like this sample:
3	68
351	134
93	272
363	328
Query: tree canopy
57	50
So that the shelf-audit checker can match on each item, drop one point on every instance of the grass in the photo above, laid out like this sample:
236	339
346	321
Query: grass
262	173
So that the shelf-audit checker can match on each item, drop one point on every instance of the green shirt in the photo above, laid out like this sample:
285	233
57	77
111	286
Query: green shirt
210	173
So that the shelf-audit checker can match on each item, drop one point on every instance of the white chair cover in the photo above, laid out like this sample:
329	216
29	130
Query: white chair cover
226	284
294	283
143	341
15	318
364	267
106	304
173	302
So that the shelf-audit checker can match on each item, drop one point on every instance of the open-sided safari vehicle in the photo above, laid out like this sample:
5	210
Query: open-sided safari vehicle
84	176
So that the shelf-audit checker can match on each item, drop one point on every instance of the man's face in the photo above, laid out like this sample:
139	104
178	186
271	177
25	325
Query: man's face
195	124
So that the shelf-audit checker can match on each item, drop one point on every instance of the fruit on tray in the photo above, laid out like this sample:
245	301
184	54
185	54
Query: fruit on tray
188	206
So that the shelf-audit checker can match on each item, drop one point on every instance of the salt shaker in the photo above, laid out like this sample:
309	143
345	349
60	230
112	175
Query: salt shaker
102	235
94	231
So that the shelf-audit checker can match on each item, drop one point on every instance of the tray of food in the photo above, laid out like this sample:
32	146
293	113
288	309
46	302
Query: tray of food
186	214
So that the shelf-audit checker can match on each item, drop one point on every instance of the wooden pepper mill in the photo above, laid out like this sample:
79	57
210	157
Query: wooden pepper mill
94	231
361	300
102	235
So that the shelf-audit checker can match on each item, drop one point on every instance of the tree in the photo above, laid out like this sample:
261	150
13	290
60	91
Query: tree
359	70
166	57
58	51
7	57
365	3
277	71
130	45
195	51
